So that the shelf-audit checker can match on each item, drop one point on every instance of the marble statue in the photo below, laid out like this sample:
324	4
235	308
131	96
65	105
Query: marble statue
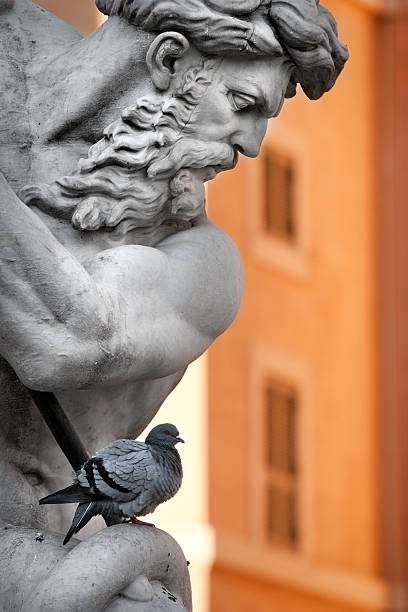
112	277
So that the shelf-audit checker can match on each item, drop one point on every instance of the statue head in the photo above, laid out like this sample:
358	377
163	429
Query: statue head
219	69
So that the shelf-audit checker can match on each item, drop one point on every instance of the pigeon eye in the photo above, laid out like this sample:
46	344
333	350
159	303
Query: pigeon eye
167	433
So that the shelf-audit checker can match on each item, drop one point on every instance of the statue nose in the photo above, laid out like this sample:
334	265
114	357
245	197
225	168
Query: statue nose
248	146
248	139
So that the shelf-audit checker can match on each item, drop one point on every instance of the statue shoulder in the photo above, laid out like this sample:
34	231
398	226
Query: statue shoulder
211	274
194	276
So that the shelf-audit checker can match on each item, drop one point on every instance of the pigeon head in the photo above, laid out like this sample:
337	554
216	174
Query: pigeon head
164	435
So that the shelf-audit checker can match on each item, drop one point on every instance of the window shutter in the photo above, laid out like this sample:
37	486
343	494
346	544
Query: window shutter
280	458
279	205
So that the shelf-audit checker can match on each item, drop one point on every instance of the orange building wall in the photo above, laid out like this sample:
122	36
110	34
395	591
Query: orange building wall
324	314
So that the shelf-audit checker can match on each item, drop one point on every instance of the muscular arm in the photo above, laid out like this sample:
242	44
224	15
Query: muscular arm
135	312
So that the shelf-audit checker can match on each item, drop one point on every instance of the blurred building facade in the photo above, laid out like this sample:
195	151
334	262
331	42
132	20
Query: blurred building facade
307	397
300	503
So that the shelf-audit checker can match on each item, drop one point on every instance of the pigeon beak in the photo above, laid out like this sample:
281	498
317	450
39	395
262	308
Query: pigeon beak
179	440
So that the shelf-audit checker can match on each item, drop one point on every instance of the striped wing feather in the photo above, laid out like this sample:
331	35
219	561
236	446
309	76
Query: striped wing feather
120	471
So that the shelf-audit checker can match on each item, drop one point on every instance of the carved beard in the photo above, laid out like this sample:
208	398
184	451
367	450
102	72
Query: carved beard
143	173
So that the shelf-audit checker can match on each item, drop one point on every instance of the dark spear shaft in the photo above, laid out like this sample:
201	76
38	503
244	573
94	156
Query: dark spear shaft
61	428
64	433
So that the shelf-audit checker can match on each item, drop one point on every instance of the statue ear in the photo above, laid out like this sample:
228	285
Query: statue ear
162	53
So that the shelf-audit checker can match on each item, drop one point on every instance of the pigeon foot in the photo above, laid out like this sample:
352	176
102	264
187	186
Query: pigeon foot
135	521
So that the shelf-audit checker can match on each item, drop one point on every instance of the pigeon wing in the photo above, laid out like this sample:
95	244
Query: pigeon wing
121	478
98	472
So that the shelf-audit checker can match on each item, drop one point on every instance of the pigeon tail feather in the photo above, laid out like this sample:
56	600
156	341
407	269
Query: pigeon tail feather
70	495
83	515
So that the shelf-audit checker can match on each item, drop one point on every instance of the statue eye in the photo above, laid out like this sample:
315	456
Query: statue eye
240	101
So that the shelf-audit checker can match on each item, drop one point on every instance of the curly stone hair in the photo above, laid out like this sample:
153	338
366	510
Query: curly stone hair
302	29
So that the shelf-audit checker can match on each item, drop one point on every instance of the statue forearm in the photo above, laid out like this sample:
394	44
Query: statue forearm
49	304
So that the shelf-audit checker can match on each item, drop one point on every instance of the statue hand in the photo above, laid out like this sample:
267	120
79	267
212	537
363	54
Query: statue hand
123	568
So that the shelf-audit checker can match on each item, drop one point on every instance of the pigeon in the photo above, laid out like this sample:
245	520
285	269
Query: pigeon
126	478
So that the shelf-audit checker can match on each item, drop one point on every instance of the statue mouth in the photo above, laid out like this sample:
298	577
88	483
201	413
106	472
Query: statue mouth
237	150
229	163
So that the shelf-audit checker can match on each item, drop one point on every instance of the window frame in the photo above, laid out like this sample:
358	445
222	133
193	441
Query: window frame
269	362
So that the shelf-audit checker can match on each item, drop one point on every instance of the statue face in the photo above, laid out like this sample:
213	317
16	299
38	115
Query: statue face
237	104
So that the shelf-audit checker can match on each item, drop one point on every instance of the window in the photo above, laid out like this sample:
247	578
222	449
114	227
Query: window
277	191
280	450
280	495
279	213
